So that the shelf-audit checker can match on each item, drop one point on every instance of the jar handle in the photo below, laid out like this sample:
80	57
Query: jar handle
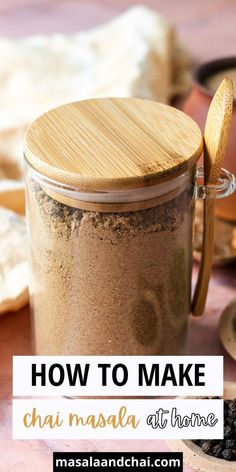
225	186
215	142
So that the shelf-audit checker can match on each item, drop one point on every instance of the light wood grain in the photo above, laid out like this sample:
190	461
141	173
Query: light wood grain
104	144
217	131
215	136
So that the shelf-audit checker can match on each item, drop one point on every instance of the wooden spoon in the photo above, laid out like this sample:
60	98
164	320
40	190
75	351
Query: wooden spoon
215	141
227	329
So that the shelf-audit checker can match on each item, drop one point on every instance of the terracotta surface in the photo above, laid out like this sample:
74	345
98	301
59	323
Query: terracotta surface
198	25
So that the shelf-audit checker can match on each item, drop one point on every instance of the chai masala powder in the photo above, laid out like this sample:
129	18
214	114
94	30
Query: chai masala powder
110	283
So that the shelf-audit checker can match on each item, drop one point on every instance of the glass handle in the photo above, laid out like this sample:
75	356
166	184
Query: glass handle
225	186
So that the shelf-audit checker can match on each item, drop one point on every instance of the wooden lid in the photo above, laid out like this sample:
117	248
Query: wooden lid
113	143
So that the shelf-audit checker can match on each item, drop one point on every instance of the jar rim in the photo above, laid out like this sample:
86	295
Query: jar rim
110	200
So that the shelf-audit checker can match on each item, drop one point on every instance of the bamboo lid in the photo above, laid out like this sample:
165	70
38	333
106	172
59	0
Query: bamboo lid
113	143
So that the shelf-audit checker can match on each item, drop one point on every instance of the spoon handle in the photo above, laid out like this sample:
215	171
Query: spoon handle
215	141
200	294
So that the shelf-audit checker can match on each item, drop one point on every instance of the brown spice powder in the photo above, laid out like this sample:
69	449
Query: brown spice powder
110	283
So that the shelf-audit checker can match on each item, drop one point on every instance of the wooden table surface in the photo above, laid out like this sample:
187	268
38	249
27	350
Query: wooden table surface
209	30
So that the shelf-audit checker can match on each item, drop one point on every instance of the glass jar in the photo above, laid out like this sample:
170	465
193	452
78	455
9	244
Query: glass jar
110	260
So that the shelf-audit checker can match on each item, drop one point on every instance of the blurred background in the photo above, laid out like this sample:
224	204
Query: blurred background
206	27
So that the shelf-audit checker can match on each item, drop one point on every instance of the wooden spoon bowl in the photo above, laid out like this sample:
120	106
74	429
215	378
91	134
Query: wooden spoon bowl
195	457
